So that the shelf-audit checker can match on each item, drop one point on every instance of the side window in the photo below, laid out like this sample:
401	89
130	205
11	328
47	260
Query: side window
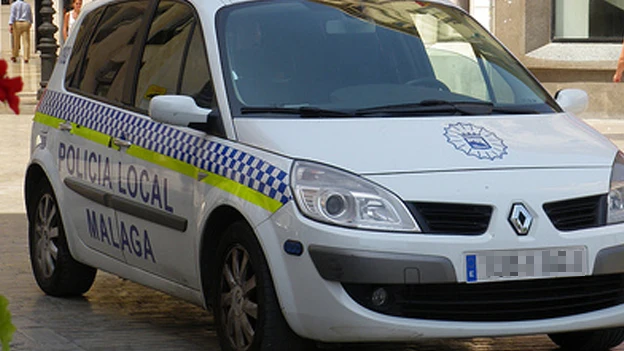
163	55
106	63
80	47
196	79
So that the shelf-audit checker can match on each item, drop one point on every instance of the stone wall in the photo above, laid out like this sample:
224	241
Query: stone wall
524	26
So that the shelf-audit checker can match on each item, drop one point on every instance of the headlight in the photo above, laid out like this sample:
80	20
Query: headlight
336	197
615	207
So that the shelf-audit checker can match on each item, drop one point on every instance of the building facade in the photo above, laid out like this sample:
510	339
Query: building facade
565	44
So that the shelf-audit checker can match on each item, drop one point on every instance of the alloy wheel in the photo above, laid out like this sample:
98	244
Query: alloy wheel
46	235
239	301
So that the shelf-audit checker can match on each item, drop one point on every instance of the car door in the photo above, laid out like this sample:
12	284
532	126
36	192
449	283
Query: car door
87	162
158	228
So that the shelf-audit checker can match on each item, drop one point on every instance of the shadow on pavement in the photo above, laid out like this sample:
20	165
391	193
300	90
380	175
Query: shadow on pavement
117	314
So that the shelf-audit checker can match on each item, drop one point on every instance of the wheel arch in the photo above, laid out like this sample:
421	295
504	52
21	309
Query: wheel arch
214	228
35	174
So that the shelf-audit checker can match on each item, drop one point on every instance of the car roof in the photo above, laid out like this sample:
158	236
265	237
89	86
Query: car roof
206	7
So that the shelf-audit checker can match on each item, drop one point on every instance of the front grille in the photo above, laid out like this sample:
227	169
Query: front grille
575	214
500	301
445	218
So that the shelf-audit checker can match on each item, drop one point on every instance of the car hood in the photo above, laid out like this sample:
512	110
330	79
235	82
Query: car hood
397	145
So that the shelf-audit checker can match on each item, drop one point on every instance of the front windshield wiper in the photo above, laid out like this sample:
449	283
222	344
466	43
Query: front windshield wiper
303	111
432	106
511	110
423	107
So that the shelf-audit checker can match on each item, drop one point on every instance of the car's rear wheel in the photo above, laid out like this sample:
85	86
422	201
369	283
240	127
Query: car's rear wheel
55	270
590	340
246	310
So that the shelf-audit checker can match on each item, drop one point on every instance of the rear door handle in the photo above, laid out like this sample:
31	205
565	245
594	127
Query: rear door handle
65	126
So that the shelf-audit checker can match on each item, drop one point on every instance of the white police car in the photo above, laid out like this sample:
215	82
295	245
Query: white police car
329	170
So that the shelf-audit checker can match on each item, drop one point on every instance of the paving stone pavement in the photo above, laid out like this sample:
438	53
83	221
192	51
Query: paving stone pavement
114	315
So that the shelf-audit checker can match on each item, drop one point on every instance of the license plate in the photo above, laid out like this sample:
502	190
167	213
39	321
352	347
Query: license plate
486	266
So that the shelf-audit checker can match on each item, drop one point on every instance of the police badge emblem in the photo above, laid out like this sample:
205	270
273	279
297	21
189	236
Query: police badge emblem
475	141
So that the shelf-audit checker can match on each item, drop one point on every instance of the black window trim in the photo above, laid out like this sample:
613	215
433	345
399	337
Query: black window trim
133	83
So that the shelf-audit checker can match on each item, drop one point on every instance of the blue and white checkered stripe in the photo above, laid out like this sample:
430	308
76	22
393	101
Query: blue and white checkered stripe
210	156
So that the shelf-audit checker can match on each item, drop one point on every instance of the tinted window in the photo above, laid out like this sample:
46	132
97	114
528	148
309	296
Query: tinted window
164	52
80	47
196	80
335	55
106	62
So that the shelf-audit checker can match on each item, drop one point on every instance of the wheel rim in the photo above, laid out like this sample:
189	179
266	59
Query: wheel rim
46	235
239	303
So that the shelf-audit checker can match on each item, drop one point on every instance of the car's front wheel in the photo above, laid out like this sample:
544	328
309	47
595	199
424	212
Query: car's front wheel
246	310
590	340
55	270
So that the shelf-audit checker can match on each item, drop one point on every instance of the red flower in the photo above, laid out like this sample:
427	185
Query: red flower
9	87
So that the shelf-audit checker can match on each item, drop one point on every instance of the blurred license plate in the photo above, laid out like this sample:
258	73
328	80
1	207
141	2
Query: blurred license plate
525	264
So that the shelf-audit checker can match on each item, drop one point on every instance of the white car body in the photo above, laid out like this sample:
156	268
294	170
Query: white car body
531	160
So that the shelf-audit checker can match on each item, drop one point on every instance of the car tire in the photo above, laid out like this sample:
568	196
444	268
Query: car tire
247	313
591	340
55	270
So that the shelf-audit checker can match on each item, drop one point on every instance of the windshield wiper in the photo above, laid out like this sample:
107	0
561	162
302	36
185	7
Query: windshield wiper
303	111
510	110
423	107
432	106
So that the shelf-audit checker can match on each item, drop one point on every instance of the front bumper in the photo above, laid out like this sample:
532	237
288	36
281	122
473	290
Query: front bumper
372	267
422	287
311	287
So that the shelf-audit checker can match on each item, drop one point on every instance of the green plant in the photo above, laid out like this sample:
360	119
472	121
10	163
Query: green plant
6	327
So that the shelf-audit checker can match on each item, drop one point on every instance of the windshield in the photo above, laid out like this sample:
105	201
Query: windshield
340	58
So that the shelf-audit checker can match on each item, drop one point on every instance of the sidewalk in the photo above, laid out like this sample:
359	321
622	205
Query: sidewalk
15	134
611	128
30	72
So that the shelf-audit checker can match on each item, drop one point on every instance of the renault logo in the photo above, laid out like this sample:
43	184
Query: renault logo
520	219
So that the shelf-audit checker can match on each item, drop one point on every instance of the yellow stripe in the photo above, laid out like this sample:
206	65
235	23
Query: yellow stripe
47	120
244	192
162	160
90	134
239	190
78	130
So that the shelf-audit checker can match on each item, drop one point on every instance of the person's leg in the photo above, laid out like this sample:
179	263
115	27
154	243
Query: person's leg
22	31
26	35
15	48
18	29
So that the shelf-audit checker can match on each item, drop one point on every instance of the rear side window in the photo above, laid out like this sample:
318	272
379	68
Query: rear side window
80	47
167	41
106	63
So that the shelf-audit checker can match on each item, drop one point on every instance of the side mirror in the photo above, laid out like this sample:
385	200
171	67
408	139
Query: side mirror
572	100
179	110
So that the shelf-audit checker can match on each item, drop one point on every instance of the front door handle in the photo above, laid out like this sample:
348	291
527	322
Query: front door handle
122	142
